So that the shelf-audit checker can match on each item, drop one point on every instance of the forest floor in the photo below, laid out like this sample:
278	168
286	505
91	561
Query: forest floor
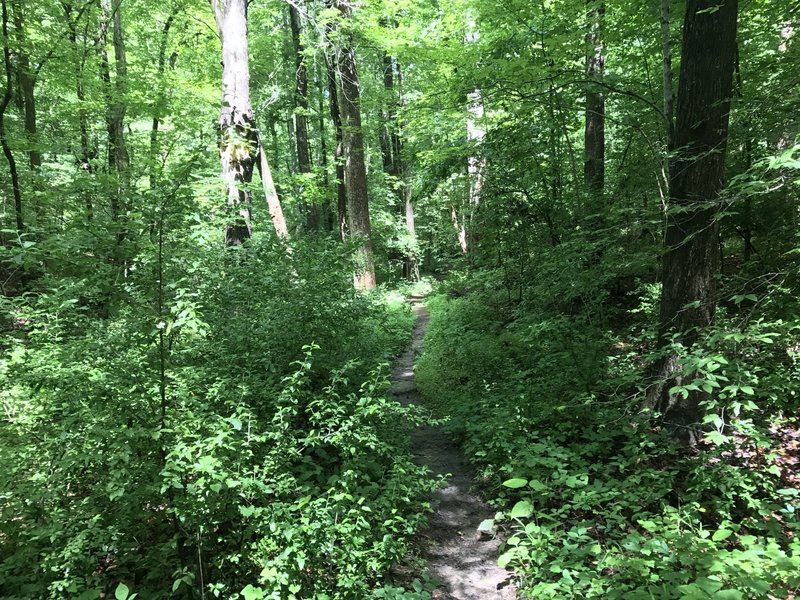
458	557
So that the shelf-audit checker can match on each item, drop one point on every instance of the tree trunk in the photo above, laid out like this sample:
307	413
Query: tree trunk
393	164
461	232
690	261
301	109
27	83
159	103
341	192
355	168
118	159
666	71
4	102
594	132
87	152
476	164
271	194
237	132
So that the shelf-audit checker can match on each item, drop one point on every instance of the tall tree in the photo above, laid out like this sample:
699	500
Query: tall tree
4	102
476	163
115	93
594	131
338	157
393	164
301	141
355	168
239	141
27	75
666	72
237	133
87	151
690	261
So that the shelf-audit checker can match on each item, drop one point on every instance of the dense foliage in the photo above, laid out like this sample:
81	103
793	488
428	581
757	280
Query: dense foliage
198	198
239	439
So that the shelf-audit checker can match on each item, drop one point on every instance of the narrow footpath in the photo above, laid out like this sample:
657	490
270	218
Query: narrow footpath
463	560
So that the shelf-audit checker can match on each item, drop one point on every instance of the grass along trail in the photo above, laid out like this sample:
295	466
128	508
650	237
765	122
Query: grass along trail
461	559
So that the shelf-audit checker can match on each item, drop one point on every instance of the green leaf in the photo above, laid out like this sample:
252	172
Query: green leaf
515	483
747	389
122	592
486	525
728	595
505	558
522	509
715	437
536	485
721	534
252	593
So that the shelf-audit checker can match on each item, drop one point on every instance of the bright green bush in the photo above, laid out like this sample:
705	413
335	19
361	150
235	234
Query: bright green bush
228	431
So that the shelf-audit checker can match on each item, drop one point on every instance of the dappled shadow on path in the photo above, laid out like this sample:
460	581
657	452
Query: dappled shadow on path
457	555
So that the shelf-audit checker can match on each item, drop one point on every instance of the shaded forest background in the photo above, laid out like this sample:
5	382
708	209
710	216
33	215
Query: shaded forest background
211	213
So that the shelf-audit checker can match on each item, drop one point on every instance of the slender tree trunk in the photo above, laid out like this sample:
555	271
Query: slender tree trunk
118	159
411	263
87	152
27	84
301	109
388	117
594	131
666	71
121	157
4	102
476	164
355	169
271	194
393	163
341	192
747	213
328	216
690	262
159	103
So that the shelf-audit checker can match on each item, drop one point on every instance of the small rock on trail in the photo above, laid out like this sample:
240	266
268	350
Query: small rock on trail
464	561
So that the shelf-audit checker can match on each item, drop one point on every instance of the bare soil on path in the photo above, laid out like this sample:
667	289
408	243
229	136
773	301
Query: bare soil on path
458	556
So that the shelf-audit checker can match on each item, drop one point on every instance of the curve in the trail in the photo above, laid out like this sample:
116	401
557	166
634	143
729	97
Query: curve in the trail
458	556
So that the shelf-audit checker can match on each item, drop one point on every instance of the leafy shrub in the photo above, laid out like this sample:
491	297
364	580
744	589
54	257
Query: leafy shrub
595	500
225	430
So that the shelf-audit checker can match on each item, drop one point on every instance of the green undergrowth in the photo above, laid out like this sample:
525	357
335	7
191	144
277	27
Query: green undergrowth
595	500
228	435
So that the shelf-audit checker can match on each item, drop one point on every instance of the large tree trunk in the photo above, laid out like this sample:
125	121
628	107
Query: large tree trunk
476	163
594	132
355	169
688	296
237	132
4	102
240	149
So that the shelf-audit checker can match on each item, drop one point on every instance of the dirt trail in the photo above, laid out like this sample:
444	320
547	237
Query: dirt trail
463	560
